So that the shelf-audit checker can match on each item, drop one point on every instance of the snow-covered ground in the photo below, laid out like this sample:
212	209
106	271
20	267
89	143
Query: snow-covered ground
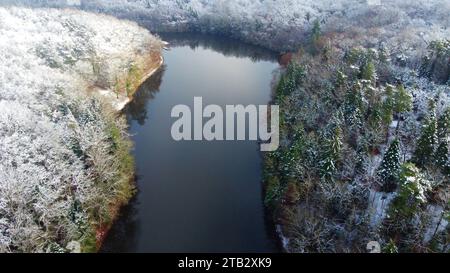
57	163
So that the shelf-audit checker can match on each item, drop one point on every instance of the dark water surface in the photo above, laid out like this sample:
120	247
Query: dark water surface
196	196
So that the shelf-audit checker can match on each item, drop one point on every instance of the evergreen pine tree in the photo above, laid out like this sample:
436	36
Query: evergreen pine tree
354	99
442	158
316	31
388	105
289	86
402	103
369	73
273	191
411	194
376	115
315	36
443	132
353	107
428	140
402	100
389	168
444	124
308	16
332	153
341	79
390	247
362	150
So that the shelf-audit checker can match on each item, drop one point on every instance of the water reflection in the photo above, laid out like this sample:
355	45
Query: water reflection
227	46
124	234
137	108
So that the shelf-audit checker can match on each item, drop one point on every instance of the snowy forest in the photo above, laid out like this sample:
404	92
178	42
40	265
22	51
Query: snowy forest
64	153
364	116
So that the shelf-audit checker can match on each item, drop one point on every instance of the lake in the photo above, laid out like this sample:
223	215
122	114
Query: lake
197	196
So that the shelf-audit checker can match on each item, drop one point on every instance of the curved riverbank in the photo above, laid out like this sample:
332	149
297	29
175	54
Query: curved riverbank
103	229
64	152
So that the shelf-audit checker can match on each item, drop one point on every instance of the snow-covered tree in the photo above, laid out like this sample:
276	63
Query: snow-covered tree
369	72
390	166
412	192
443	125
387	111
426	144
442	157
402	102
280	24
331	153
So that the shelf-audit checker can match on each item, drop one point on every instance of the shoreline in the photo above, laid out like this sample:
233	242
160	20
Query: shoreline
146	77
102	230
70	136
119	100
